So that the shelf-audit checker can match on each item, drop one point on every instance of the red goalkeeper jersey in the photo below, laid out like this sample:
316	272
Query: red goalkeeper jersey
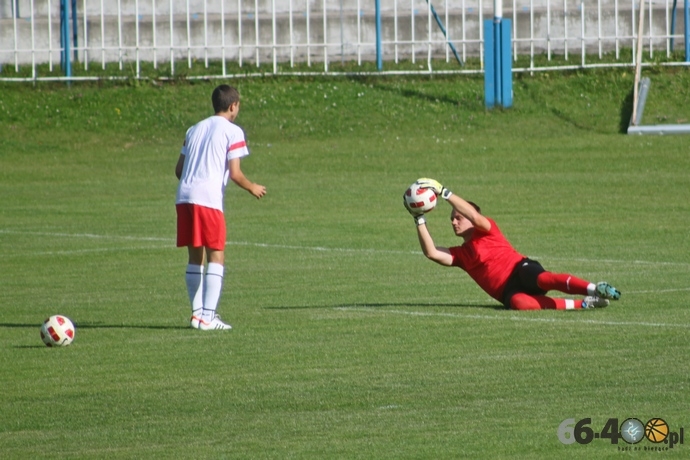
488	258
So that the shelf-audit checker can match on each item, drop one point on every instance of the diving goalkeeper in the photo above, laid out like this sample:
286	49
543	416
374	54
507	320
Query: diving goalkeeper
491	261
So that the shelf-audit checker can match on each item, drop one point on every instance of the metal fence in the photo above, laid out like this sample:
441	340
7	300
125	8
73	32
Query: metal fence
274	36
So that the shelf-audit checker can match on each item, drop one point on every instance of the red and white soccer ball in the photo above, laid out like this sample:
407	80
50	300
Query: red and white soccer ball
57	331
419	199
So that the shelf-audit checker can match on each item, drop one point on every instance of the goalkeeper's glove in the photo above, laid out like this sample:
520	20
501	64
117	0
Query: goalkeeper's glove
435	186
416	214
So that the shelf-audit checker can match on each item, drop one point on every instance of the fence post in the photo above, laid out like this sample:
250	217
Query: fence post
687	36
498	72
507	64
489	67
65	58
75	30
379	51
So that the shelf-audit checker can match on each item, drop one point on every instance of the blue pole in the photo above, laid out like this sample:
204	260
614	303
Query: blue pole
489	65
687	34
64	38
379	52
63	62
498	65
498	71
673	22
443	30
506	64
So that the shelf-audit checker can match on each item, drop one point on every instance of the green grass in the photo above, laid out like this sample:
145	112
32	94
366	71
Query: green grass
347	343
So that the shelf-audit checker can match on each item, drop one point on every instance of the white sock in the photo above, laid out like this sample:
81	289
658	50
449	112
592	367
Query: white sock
195	287
592	289
213	285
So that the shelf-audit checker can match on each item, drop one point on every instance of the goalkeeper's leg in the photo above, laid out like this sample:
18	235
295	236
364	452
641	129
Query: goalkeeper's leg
522	301
572	285
565	283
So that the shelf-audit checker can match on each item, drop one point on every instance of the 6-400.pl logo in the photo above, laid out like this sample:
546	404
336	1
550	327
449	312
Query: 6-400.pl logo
631	430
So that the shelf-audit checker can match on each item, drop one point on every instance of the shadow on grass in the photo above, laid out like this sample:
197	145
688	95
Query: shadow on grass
626	112
79	326
469	101
96	326
389	305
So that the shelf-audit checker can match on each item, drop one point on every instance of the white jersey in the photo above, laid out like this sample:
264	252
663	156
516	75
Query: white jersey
208	147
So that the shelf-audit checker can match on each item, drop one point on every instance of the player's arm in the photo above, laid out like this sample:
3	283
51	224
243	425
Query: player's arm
439	255
467	210
179	166
460	205
241	180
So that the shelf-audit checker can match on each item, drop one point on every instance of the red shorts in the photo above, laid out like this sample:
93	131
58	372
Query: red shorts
199	226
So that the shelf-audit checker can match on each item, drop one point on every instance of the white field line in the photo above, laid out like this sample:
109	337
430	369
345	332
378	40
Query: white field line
85	236
523	317
171	241
658	291
87	251
320	248
613	261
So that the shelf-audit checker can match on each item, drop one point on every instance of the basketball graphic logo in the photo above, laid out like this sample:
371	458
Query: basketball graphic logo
656	430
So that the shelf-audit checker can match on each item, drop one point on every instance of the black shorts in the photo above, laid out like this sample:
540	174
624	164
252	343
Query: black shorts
523	279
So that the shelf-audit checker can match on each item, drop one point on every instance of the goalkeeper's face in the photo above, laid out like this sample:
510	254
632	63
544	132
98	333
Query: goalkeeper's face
461	225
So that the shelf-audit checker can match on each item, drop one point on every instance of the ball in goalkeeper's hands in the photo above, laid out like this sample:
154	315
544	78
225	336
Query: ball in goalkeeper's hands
419	200
436	186
432	184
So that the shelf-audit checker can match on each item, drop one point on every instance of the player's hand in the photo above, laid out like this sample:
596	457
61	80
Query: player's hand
257	190
435	186
414	212
432	184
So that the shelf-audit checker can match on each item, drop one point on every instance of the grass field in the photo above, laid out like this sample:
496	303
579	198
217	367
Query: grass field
347	342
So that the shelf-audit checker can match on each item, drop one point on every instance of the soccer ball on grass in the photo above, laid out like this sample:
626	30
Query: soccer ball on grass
419	200
57	331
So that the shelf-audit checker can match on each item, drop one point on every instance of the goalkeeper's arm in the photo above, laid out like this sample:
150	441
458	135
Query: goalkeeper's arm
468	211
463	207
438	254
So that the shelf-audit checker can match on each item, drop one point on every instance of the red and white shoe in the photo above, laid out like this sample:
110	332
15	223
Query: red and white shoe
215	325
194	322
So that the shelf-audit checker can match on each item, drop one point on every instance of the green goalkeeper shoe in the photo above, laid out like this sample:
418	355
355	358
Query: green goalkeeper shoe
606	291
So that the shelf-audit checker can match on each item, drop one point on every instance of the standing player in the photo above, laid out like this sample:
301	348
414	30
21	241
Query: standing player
211	153
505	274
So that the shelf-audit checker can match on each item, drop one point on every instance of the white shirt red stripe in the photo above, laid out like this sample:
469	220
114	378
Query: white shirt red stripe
209	146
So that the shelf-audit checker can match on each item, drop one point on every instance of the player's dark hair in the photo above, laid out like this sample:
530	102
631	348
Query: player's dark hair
223	97
476	207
